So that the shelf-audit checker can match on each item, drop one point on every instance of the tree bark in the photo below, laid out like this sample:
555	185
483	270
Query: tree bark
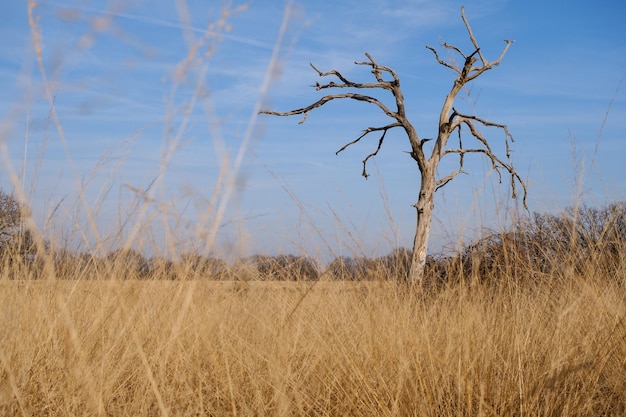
424	208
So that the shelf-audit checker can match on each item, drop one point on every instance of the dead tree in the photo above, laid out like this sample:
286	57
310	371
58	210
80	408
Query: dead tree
450	121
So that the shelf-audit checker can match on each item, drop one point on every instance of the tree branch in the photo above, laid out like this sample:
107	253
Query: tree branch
445	180
491	64
330	97
380	143
366	132
494	159
469	72
496	164
442	62
448	46
472	38
346	83
392	85
377	70
458	118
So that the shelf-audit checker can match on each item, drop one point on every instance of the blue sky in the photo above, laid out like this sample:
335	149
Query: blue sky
125	92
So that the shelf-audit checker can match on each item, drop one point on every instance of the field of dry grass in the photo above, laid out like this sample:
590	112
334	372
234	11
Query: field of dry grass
157	348
527	322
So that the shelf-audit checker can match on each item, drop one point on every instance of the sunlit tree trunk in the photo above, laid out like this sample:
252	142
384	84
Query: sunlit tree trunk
424	208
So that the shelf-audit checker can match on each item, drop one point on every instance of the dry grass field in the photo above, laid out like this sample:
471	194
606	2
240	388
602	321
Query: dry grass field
529	322
203	348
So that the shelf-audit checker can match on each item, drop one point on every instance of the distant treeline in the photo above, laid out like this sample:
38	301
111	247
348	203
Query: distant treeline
542	246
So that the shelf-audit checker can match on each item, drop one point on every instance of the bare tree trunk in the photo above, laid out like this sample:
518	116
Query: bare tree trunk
424	207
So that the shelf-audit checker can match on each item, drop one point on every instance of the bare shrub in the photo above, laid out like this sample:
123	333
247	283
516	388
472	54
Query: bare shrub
277	268
351	269
10	211
583	240
162	268
395	265
194	266
127	264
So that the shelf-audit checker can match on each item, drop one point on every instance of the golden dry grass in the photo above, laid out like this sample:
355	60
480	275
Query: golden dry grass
131	348
97	346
